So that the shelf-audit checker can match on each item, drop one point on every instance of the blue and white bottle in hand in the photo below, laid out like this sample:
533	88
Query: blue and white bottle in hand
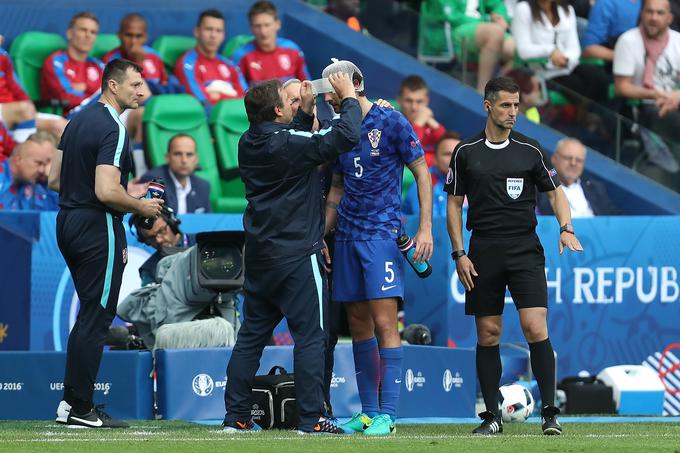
156	189
408	248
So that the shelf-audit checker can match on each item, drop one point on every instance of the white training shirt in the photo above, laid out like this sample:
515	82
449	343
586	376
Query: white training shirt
539	39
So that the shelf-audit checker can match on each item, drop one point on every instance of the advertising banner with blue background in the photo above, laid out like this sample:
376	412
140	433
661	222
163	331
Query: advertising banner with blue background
617	302
191	383
31	384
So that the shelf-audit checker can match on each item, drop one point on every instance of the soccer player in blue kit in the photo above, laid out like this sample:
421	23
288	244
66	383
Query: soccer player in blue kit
368	274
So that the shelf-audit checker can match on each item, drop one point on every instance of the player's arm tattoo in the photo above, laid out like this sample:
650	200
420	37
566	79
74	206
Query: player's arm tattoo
331	205
337	181
418	162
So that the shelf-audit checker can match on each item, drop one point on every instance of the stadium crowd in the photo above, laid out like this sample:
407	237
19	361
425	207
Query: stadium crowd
534	42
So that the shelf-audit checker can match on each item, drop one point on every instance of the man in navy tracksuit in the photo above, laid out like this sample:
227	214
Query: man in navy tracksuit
90	172
284	225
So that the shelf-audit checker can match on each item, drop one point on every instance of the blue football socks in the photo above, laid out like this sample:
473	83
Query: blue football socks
391	360
367	366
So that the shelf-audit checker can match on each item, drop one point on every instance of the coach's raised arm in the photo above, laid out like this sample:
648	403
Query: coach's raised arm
314	148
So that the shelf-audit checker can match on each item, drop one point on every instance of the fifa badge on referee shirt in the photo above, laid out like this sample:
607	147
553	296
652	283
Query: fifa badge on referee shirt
514	187
374	138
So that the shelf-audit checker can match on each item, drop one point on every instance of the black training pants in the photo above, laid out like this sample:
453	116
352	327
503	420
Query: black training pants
296	290
95	250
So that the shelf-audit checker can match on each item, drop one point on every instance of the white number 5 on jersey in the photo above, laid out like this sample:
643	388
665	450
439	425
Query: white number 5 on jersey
357	165
389	272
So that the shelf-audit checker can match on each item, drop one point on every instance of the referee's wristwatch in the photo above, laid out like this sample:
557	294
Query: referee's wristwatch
457	254
568	228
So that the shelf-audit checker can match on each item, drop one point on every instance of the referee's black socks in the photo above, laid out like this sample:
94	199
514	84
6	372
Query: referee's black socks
489	372
543	367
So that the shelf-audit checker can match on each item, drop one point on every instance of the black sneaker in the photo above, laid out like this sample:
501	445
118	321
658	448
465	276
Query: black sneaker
490	425
96	418
241	427
326	426
551	426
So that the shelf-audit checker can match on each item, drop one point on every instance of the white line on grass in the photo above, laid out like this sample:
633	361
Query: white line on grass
255	438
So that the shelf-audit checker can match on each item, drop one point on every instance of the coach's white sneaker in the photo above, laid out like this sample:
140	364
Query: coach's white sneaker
63	410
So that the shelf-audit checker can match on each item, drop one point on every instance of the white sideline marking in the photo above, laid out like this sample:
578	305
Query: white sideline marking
221	437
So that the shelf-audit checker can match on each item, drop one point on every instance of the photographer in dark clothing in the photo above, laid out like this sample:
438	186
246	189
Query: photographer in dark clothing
165	236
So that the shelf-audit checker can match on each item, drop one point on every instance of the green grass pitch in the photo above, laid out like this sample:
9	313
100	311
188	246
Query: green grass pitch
166	436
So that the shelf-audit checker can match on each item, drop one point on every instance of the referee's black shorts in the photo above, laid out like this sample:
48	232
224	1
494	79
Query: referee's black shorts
515	262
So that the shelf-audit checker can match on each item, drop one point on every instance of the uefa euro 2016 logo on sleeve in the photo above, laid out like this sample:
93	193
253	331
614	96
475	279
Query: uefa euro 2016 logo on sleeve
203	385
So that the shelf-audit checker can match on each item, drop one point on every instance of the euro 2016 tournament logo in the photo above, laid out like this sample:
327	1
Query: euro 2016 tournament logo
203	385
449	380
408	380
413	380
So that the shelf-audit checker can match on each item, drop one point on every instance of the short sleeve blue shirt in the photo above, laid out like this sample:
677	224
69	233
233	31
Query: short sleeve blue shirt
373	171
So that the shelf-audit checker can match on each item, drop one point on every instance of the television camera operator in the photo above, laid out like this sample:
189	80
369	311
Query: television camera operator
165	236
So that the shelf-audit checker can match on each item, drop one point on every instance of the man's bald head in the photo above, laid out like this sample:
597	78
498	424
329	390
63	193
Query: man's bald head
31	161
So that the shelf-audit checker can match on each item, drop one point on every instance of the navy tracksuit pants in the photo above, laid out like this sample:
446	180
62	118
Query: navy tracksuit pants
95	250
296	291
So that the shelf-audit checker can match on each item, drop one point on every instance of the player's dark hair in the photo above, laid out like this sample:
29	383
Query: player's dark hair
262	7
117	70
498	84
261	100
356	79
83	15
180	135
133	17
209	13
412	83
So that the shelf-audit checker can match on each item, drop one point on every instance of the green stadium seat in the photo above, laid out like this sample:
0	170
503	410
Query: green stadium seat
104	43
234	43
229	121
28	51
171	114
435	43
172	47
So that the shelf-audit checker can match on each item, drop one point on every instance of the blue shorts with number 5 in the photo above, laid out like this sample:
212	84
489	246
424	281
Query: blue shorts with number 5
364	270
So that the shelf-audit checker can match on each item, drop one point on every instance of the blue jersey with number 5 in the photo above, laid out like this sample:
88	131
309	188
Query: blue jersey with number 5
373	171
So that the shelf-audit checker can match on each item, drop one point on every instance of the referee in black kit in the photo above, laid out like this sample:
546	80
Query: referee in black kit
90	172
499	170
284	224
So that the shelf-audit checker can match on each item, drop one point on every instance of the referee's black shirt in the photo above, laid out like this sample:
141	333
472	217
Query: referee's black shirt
93	137
284	218
500	181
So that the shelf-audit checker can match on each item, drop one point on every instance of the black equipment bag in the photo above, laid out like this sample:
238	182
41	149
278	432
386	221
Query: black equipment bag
274	404
587	395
